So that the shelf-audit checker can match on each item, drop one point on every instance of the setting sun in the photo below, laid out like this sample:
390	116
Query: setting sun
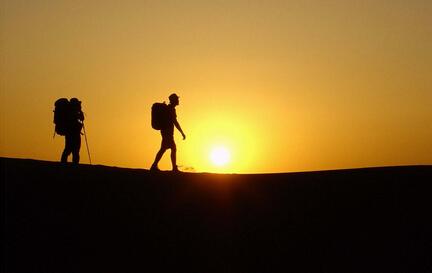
281	85
220	156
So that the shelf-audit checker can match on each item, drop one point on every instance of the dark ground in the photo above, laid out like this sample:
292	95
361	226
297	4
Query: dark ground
103	219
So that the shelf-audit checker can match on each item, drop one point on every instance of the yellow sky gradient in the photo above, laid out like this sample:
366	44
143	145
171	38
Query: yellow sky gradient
284	85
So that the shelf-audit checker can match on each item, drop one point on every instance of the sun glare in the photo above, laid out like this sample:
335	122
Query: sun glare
220	156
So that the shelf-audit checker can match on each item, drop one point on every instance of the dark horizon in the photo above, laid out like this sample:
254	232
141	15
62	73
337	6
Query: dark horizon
95	218
191	171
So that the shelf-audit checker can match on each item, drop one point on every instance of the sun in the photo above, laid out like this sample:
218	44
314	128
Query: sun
220	156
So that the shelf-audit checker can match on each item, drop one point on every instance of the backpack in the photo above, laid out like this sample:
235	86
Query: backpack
159	115
61	116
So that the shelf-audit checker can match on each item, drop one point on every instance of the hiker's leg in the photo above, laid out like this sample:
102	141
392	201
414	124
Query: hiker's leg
75	157
76	148
174	157
162	150
158	157
64	156
67	149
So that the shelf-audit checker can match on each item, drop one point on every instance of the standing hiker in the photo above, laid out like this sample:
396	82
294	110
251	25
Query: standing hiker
69	119
164	118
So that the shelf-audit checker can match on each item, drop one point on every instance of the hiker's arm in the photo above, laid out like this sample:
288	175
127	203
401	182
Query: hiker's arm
177	125
81	116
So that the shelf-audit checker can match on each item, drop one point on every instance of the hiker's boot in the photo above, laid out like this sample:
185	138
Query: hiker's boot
154	168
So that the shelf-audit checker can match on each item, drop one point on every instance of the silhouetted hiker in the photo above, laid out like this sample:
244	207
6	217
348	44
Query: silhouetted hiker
164	118
69	118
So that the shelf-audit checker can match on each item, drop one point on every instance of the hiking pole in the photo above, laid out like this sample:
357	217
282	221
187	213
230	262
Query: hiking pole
85	136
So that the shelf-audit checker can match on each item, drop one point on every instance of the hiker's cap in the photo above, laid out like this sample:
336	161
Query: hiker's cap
75	101
173	96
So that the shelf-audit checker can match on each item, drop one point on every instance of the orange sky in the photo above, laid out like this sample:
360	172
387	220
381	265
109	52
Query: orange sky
283	85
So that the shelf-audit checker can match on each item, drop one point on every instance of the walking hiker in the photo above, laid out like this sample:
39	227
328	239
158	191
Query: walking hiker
164	118
69	119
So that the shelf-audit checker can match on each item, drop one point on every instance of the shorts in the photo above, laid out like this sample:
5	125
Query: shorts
167	141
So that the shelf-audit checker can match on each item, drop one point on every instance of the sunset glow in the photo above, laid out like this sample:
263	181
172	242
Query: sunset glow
282	85
220	156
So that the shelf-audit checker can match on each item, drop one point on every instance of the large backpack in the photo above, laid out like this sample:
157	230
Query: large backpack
61	116
159	115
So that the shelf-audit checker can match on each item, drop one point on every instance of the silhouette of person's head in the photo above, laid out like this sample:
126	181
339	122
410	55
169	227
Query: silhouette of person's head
174	99
75	103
